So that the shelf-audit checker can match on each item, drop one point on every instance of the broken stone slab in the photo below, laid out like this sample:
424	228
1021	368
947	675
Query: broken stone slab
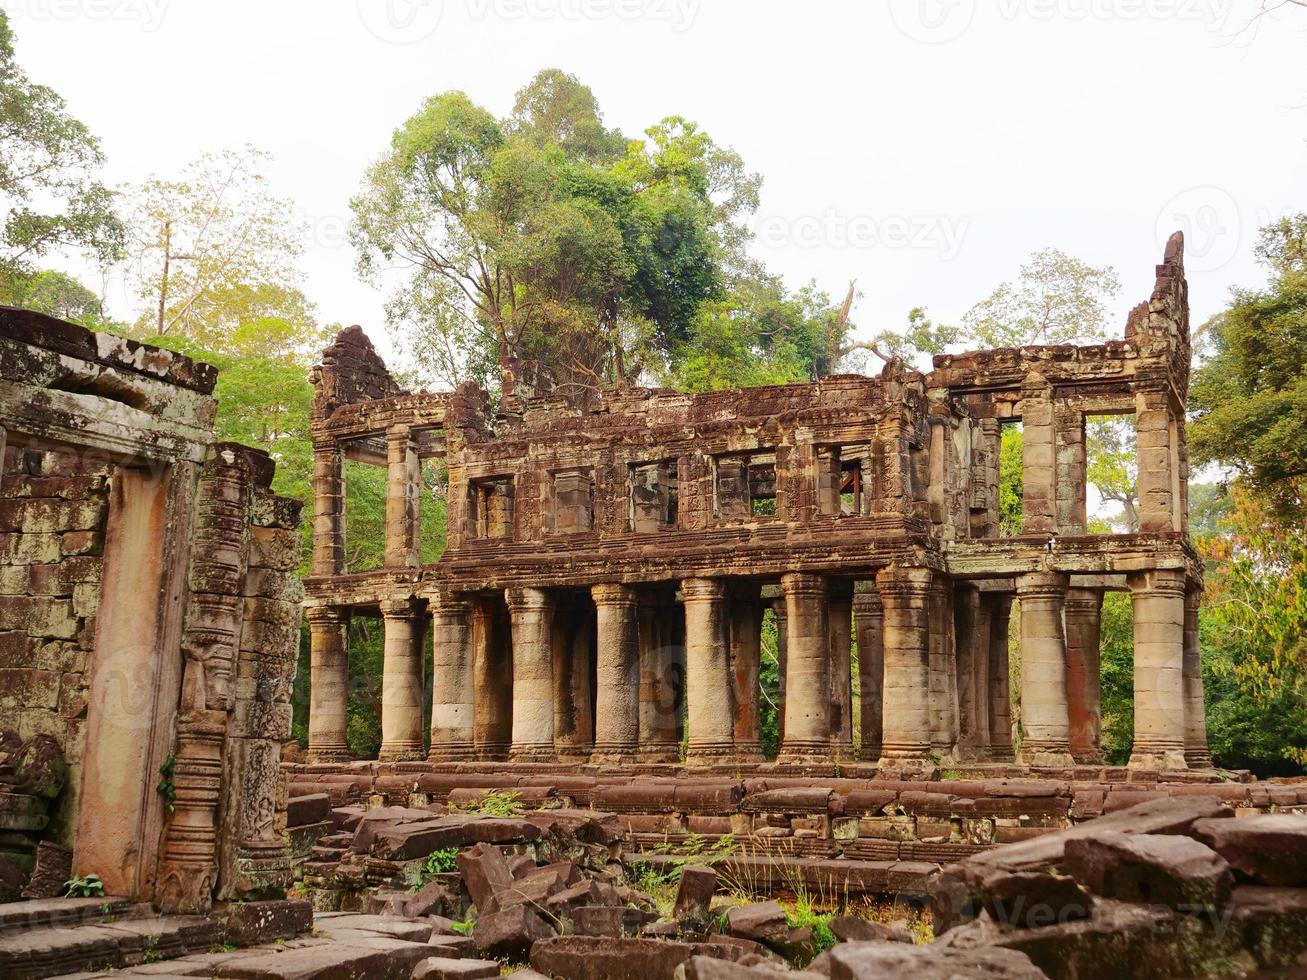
372	822
405	841
865	961
329	961
1030	899
252	923
605	958
1177	872
695	892
510	934
563	903
955	893
1272	923
711	968
452	946
586	826
440	968
852	928
1119	939
1268	848
410	930
485	873
608	920
304	810
433	898
760	921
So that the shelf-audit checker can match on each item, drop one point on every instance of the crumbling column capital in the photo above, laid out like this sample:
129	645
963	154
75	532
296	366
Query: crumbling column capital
399	609
448	606
613	595
703	589
525	600
803	583
327	615
903	582
1084	600
1042	585
1161	581
868	604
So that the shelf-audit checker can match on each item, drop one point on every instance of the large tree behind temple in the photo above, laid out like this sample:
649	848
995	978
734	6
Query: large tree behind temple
546	236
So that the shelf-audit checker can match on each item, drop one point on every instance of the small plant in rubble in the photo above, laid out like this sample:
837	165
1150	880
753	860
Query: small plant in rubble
494	803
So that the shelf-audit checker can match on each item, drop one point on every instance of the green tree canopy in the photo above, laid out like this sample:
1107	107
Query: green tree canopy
48	162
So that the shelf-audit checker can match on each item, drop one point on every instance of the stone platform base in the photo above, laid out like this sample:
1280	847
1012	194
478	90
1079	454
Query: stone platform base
799	818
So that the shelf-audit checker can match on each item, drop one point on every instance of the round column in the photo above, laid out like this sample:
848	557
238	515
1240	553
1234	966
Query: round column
531	612
617	674
905	725
401	682
1158	598
1045	722
453	686
808	669
709	719
1196	752
328	682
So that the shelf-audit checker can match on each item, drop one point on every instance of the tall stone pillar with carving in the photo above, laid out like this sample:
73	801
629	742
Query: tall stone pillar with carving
999	690
1158	598
661	681
403	485
401	681
617	670
453	687
869	617
531	611
808	666
328	509
839	622
1084	612
1196	753
906	727
746	650
711	735
1045	722
328	682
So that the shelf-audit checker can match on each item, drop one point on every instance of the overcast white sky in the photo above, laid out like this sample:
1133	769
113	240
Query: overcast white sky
924	147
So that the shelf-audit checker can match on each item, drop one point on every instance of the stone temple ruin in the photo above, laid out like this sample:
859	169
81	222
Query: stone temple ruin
608	565
595	625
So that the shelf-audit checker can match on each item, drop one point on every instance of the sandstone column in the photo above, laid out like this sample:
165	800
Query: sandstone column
328	682
808	670
905	737
531	611
1196	753
402	488
660	681
1045	724
870	619
617	688
840	625
492	679
942	644
453	687
1159	489
1038	466
1000	696
971	649
982	629
782	663
1084	611
401	682
711	737
328	510
746	648
1158	598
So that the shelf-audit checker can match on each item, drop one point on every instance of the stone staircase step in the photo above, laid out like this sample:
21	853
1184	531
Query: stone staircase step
49	951
16	916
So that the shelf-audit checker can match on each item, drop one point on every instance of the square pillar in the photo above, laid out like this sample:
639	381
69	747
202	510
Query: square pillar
942	644
1196	753
869	617
572	639
1084	613
1158	598
403	485
746	650
531	612
972	672
1045	723
905	727
492	679
999	688
808	670
328	682
840	625
453	680
617	674
328	510
709	720
401	682
1157	437
662	680
1038	464
782	664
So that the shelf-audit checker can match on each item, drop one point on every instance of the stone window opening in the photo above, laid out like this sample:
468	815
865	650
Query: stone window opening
491	507
1111	477
1011	479
841	488
654	496
745	485
573	501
